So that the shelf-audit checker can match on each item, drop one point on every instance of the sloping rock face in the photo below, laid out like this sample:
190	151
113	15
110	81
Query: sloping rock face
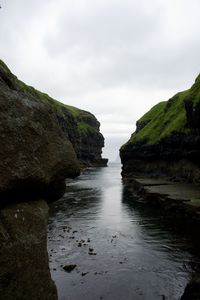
82	129
42	138
35	154
24	272
167	140
192	290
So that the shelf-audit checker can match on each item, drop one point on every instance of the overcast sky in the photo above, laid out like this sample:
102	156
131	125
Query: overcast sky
115	58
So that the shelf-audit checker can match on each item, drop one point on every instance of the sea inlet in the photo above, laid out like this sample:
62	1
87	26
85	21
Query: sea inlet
119	248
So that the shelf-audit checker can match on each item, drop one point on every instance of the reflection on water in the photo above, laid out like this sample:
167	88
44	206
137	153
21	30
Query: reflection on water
138	255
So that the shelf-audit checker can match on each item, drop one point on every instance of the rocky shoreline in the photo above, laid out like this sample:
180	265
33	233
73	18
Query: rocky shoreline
180	197
161	161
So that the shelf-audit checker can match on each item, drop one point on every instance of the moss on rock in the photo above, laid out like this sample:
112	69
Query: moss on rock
168	117
170	131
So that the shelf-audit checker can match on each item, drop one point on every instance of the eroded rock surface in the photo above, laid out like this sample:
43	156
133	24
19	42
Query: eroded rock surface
24	271
42	140
35	154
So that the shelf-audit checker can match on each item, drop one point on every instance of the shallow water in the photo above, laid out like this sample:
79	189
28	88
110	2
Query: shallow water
139	255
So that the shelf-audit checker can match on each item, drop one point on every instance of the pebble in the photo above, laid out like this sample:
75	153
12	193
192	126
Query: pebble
84	273
69	268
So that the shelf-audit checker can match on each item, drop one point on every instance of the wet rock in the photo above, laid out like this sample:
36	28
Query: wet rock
24	264
84	273
69	268
192	290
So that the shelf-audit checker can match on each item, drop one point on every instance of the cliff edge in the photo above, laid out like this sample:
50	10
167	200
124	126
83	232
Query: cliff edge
42	140
167	139
161	163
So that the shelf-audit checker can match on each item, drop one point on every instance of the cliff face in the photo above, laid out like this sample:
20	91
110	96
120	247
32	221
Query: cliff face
41	138
167	139
42	143
35	154
82	129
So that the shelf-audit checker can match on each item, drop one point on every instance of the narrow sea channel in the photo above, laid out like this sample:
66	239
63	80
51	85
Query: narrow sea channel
123	249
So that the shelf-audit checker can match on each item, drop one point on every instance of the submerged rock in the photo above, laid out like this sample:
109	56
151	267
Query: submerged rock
69	268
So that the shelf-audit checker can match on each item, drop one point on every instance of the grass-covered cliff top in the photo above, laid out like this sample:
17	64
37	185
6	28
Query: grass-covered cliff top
167	118
86	122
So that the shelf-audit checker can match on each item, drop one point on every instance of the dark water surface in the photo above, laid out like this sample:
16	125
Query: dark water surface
138	254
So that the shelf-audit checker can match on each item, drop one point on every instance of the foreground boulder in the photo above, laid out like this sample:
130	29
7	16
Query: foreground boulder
167	139
24	272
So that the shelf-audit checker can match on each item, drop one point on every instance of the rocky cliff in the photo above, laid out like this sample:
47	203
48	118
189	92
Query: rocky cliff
42	143
80	127
35	154
167	139
161	163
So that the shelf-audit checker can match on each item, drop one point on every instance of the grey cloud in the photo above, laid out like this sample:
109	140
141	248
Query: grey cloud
114	58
